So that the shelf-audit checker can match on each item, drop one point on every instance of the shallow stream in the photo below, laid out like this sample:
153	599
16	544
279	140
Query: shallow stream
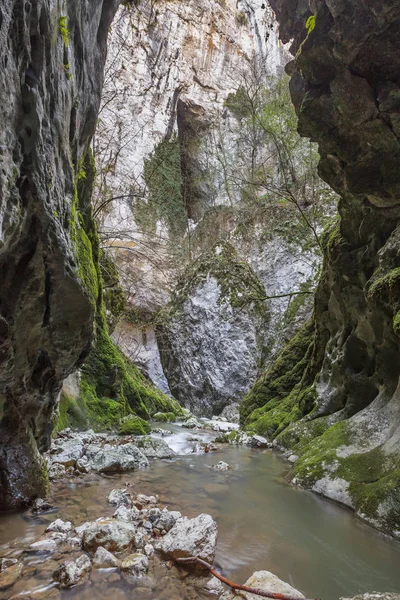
264	523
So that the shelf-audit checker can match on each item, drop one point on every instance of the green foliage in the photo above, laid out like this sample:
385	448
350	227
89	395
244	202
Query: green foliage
241	18
63	28
134	426
310	23
163	176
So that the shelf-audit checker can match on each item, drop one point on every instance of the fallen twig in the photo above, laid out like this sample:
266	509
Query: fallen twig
234	586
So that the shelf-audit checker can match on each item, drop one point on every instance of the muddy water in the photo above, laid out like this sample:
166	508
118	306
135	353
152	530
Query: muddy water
263	522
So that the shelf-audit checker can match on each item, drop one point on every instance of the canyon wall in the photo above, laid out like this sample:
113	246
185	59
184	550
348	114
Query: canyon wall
52	58
170	73
342	371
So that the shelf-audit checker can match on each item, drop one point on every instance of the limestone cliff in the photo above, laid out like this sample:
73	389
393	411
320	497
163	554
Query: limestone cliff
343	370
52	57
173	76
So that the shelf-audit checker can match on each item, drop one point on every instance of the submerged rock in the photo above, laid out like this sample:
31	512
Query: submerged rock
72	572
221	466
10	574
190	537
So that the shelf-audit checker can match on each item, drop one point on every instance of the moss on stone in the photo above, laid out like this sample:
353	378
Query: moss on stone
71	413
165	417
118	384
280	381
320	456
277	414
134	425
239	285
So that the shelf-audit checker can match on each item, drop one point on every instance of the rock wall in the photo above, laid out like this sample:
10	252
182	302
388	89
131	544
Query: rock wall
211	336
52	57
345	87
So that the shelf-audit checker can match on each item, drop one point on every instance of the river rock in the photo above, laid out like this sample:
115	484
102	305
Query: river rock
67	452
135	564
40	506
257	441
60	526
167	520
221	466
120	498
190	537
116	459
374	596
10	575
5	563
112	534
57	471
124	513
231	413
71	572
103	559
192	423
266	582
149	550
154	448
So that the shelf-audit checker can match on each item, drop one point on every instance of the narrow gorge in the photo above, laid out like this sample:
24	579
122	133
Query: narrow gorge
199	309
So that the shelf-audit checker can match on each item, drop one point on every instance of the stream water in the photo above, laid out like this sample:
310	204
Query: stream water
264	523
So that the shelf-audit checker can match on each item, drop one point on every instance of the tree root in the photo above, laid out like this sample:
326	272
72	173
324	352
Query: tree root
234	586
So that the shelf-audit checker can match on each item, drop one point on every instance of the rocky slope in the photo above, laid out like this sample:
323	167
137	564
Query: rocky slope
343	370
51	79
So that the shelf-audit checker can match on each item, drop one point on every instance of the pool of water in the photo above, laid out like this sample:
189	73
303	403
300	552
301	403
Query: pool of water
264	523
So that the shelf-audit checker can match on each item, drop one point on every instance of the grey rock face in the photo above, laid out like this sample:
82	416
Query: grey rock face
190	537
49	98
212	343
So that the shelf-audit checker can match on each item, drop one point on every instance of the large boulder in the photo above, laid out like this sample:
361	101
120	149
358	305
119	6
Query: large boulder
154	447
112	458
212	336
190	537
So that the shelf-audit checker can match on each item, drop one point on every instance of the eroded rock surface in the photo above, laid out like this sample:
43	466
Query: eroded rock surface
50	87
345	88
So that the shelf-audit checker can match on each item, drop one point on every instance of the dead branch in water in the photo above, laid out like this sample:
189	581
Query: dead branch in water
234	586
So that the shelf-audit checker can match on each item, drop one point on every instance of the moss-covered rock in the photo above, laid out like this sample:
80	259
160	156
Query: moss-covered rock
134	425
161	417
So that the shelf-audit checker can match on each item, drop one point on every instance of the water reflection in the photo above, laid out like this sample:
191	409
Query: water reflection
263	522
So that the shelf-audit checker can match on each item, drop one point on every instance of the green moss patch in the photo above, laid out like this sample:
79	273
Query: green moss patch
239	284
118	385
161	417
134	425
279	383
71	413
